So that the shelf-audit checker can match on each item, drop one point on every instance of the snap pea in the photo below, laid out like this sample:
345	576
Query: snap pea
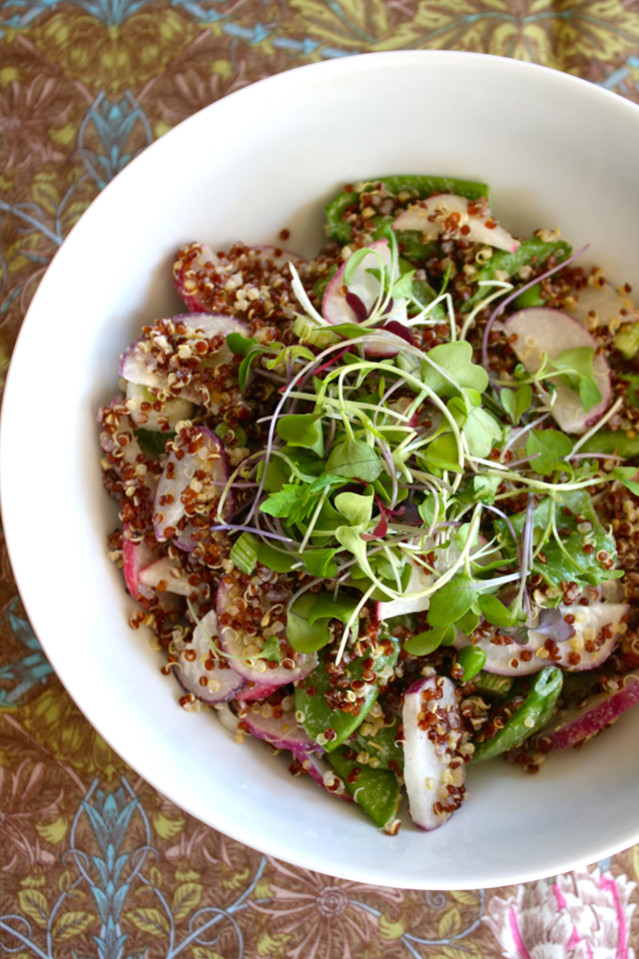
379	743
418	186
471	659
532	251
375	790
627	340
535	711
612	442
317	694
489	684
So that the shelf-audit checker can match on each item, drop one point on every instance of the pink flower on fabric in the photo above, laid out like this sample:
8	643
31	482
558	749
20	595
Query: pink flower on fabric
580	915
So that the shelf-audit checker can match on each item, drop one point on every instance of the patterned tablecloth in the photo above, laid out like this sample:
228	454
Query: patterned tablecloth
93	861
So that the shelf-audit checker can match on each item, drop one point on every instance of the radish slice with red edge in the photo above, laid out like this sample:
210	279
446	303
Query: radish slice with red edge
283	732
199	672
202	277
154	359
588	648
598	306
354	304
538	330
577	724
243	647
192	481
136	555
166	575
253	691
456	216
435	750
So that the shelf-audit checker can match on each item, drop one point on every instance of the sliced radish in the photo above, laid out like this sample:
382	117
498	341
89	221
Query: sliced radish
538	330
257	603
597	631
386	341
279	728
150	412
579	723
208	281
434	740
354	304
136	555
192	481
456	216
599	306
166	575
157	358
253	691
200	672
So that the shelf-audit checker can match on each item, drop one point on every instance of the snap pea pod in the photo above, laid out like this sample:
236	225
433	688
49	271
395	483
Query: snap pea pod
627	340
375	790
419	186
612	442
379	743
535	711
532	251
318	694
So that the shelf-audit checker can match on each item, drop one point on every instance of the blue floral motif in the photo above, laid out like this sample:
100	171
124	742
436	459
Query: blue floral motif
24	674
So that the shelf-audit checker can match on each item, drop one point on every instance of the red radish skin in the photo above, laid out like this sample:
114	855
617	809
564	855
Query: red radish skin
575	726
355	303
538	330
236	643
180	492
455	216
199	673
252	691
435	751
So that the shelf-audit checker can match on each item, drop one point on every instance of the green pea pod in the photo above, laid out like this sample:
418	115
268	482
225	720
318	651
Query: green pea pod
379	744
532	251
375	790
419	186
315	697
535	711
609	442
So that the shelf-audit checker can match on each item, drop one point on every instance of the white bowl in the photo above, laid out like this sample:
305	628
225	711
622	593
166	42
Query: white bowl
556	151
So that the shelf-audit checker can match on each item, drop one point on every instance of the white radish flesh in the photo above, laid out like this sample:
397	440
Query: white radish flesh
456	216
597	631
598	306
539	330
434	740
154	359
244	647
151	413
192	481
199	672
354	304
166	575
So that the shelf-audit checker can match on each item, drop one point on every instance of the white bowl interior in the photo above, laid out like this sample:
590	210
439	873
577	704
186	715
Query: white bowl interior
556	151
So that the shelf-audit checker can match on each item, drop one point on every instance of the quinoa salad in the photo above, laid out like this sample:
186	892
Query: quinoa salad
380	508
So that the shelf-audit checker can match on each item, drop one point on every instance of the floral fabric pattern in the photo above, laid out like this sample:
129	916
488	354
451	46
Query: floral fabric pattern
93	861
